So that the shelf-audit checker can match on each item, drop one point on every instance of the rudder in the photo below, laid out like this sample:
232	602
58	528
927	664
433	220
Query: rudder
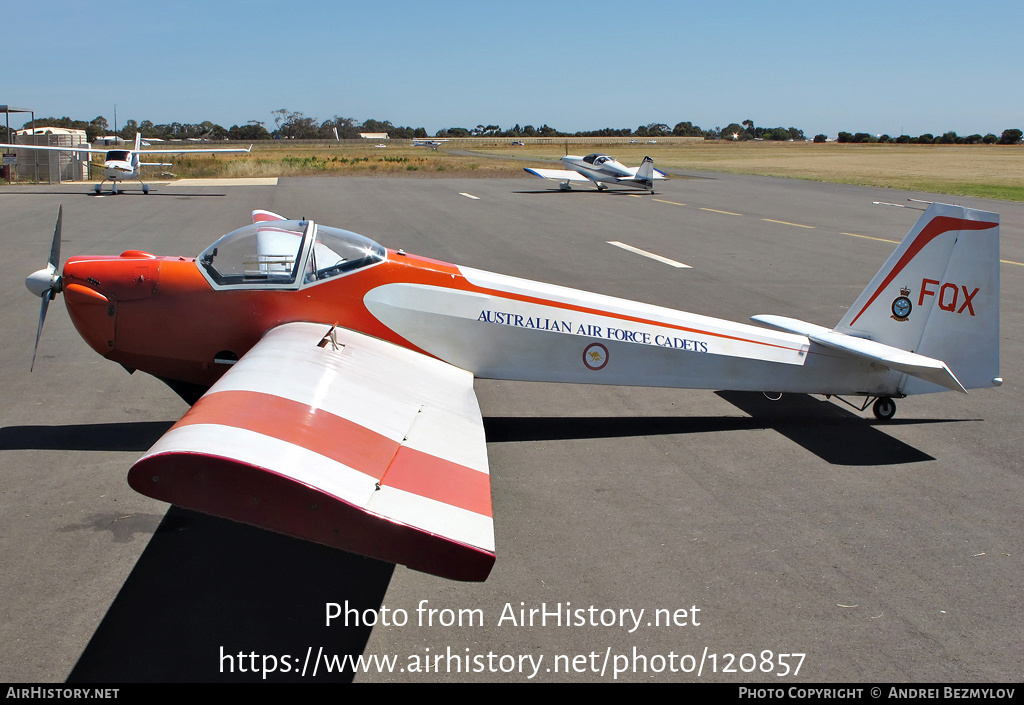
938	295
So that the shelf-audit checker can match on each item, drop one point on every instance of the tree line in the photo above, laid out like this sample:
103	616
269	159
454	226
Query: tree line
1008	137
287	124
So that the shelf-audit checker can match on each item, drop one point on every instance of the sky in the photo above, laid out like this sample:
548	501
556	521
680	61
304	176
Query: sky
896	67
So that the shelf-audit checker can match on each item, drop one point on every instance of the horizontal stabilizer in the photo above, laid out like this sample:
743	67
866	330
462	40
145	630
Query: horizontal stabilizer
926	368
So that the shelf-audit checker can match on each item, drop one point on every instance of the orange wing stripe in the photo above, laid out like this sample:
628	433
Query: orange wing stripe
348	443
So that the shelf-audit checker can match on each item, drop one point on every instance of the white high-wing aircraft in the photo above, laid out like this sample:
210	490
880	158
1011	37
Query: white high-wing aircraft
600	169
123	164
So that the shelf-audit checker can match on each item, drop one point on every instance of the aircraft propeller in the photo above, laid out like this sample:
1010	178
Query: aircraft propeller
47	282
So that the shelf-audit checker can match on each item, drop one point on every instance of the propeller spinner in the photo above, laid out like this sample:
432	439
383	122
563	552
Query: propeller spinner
46	282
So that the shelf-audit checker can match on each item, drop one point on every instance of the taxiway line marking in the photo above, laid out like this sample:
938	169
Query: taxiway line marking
785	222
651	255
469	195
718	211
868	237
896	242
670	202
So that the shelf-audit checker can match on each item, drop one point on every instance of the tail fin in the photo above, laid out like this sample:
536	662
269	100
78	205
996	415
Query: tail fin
938	296
645	173
138	141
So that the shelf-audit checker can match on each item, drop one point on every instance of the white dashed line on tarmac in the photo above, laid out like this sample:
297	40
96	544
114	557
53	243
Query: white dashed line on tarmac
651	255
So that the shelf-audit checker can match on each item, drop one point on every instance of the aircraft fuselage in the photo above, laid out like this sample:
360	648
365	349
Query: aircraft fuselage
163	316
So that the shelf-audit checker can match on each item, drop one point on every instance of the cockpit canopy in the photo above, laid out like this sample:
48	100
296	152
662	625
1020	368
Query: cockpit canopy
118	155
597	159
286	254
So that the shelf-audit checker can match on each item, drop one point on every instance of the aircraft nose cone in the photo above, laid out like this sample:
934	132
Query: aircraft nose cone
41	281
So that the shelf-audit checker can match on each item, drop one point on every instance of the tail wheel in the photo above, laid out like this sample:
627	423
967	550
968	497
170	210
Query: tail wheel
884	408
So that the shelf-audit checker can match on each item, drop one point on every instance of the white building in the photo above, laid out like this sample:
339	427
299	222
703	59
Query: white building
48	165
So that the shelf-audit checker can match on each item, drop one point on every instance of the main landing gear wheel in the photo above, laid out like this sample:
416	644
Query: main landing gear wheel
884	408
145	188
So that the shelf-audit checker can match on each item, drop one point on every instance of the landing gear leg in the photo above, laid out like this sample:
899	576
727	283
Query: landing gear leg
884	408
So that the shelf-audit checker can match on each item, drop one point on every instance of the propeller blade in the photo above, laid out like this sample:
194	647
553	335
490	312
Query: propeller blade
54	260
46	283
39	331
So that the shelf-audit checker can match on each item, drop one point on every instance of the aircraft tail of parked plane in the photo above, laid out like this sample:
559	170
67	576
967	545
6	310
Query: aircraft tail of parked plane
138	150
645	174
931	309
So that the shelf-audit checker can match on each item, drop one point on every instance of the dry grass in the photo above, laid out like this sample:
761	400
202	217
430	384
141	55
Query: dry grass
989	171
342	160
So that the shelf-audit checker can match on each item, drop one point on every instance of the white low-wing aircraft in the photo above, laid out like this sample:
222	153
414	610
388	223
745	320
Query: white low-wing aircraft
124	164
600	169
332	379
433	144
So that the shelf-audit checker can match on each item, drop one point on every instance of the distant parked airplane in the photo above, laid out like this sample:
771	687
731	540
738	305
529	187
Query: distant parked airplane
433	144
123	164
601	169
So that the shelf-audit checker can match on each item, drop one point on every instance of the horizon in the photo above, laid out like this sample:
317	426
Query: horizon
921	67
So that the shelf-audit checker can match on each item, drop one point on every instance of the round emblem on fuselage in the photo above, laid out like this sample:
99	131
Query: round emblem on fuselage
595	356
901	308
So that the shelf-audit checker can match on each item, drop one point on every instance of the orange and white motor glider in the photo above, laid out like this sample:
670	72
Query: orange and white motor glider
332	379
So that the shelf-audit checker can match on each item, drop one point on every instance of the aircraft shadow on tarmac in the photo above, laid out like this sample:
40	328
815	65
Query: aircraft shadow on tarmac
206	593
203	583
583	189
835	435
211	600
126	436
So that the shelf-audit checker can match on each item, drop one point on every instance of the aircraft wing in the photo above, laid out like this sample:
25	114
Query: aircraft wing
55	149
558	174
189	150
342	439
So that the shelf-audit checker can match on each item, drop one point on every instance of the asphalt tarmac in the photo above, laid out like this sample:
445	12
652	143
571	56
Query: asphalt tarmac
642	534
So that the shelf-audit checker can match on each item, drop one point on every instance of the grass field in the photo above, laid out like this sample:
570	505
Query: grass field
326	159
987	171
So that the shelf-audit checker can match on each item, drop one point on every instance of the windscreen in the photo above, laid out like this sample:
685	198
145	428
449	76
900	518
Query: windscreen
337	251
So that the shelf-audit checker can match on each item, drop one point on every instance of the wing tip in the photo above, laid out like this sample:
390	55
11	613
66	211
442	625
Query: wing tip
251	495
